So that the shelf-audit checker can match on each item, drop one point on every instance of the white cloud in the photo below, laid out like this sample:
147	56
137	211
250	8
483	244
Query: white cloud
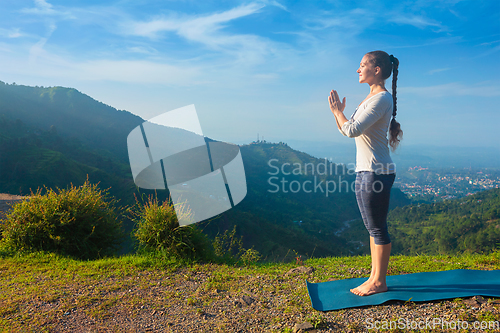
142	50
490	51
193	28
44	64
416	21
11	33
438	70
136	71
208	31
266	76
490	43
277	4
44	8
43	4
5	48
485	89
435	41
152	67
351	22
37	49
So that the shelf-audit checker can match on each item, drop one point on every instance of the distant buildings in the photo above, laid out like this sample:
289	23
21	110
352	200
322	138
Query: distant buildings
438	184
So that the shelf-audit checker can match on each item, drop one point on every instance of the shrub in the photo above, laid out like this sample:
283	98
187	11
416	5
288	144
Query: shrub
228	246
80	222
230	249
157	229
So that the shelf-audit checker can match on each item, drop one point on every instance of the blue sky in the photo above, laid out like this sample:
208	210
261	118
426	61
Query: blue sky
266	66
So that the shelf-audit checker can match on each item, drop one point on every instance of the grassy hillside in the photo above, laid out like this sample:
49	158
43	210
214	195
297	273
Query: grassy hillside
47	293
71	113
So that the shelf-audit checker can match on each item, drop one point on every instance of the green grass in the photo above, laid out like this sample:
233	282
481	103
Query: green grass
29	283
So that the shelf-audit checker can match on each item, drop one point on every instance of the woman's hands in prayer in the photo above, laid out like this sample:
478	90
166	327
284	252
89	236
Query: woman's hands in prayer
335	105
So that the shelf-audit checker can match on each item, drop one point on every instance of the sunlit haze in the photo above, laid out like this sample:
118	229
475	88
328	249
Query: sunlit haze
265	67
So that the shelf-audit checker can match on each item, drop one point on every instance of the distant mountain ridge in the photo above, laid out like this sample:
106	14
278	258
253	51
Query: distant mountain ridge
71	113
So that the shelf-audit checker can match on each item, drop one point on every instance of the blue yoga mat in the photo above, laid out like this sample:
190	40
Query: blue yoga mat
417	287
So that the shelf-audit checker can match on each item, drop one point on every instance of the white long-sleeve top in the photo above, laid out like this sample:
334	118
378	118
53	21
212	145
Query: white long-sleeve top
369	125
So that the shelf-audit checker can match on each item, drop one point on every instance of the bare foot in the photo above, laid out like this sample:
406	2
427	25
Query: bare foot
369	288
370	279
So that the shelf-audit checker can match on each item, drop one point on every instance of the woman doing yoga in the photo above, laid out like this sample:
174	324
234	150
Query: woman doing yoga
375	171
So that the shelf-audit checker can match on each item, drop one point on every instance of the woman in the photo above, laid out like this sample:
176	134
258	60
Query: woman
375	171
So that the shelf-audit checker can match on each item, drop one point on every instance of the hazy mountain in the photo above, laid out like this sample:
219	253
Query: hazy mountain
71	114
408	154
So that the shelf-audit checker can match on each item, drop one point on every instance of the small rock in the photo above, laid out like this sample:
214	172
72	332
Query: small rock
471	302
480	299
300	269
247	300
304	327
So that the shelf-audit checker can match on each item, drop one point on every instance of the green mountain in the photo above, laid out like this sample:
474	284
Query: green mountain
70	113
31	158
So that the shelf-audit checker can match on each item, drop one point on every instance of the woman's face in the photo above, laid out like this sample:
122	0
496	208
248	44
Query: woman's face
367	73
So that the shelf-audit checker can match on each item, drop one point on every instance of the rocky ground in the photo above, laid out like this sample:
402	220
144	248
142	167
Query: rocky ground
187	301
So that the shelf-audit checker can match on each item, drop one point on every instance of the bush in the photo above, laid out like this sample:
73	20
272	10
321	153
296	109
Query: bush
80	222
157	229
229	249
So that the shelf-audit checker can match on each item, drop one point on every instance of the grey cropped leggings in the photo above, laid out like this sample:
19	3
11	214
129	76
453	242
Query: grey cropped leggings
373	192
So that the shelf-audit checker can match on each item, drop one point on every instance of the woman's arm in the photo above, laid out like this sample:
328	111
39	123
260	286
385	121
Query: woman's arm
376	108
338	126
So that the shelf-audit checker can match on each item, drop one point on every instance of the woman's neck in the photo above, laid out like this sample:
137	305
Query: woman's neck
375	88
